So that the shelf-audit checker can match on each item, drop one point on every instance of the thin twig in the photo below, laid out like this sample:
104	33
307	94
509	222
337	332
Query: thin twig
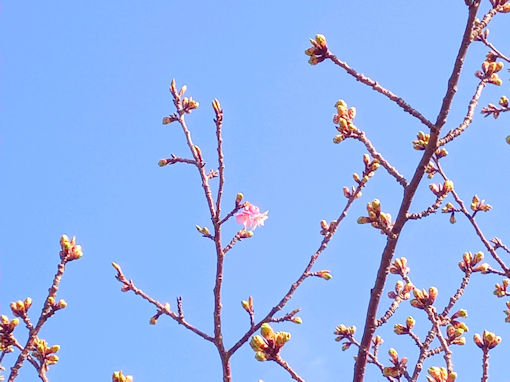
485	365
444	345
430	210
175	159
162	308
237	207
373	152
221	163
493	48
287	367
468	118
234	240
458	294
378	88
478	231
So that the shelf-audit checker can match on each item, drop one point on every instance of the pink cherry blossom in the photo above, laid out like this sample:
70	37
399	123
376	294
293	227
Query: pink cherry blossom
250	216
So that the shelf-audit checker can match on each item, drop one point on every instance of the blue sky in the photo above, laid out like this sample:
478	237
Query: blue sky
84	87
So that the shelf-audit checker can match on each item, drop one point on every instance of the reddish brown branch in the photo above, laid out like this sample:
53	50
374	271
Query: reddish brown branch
378	88
221	163
444	345
376	293
287	367
477	229
373	152
485	365
483	39
47	311
237	207
161	308
430	210
175	159
468	118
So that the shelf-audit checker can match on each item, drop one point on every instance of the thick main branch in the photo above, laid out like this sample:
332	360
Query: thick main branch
389	250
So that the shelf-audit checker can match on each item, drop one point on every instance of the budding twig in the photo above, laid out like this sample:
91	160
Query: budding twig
389	168
468	118
161	308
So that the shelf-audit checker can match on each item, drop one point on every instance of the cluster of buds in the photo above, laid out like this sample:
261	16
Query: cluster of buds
487	341
20	308
344	117
244	234
399	267
422	299
203	230
501	290
328	227
479	205
56	305
402	291
422	140
440	374
69	249
185	105
369	171
318	51
454	333
217	110
267	346
189	104
490	69
248	305
507	312
494	110
345	333
471	262
449	208
405	329
399	365
441	153
44	353
6	337
378	219
441	190
430	169
119	377
377	341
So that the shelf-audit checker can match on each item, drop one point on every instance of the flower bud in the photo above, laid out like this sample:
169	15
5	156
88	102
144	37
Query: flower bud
267	331
258	343
282	338
410	322
260	356
393	355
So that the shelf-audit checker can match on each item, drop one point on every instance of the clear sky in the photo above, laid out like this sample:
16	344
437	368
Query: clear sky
83	88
